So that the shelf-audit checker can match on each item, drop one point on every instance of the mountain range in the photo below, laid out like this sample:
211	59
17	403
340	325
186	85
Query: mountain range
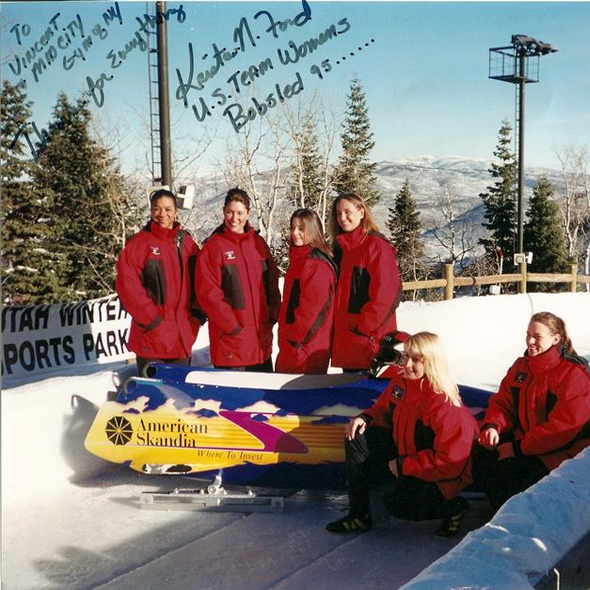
431	180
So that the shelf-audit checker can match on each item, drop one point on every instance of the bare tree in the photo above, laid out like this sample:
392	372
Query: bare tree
451	229
267	157
575	201
318	124
256	161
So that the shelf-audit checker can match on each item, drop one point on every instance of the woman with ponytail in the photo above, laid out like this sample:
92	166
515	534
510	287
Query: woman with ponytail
540	416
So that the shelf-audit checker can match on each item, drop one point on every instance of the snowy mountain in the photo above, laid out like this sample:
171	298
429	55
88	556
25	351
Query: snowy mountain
432	179
429	178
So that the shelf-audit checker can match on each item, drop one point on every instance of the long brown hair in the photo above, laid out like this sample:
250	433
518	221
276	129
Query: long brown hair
556	326
367	222
312	229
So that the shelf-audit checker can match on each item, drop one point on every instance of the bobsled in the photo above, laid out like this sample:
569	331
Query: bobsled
261	429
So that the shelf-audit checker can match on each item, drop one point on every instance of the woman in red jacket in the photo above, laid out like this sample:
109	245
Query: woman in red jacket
238	289
155	278
420	434
307	311
540	416
369	286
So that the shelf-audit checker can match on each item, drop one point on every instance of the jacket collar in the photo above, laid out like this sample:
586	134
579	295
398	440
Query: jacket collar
351	240
162	233
545	361
232	236
298	252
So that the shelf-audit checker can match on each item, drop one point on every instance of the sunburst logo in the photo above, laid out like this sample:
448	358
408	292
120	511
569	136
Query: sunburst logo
119	430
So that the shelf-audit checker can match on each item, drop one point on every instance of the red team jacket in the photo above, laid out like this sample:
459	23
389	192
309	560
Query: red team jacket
237	287
545	401
155	277
307	312
433	437
368	293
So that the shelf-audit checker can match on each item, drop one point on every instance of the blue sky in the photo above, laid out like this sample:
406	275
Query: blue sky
424	67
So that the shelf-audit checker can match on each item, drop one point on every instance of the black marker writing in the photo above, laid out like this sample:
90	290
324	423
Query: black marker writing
220	56
96	88
298	52
235	112
42	53
302	18
249	75
42	137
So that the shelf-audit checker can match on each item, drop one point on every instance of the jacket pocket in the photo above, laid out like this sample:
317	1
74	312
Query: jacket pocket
231	285
359	289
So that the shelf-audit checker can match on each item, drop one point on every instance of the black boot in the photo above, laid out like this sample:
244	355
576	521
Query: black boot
350	524
457	508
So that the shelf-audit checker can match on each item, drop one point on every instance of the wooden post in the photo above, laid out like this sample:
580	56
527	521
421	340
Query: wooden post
574	285
449	278
523	273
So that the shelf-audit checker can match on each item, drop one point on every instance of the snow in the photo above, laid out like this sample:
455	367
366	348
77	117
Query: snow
72	521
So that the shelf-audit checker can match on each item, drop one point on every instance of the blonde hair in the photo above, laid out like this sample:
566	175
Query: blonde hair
312	229
429	347
367	222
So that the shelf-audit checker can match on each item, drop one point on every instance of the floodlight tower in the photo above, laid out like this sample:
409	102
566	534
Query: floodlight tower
159	96
519	64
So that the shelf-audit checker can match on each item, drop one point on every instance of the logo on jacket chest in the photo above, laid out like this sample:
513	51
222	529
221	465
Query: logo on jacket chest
229	254
520	377
397	392
155	250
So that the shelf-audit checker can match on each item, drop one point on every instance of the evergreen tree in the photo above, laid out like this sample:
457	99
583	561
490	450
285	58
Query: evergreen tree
89	210
306	190
543	235
404	226
355	174
500	200
28	267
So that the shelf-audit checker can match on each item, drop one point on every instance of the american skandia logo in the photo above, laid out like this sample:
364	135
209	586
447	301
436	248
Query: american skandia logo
119	430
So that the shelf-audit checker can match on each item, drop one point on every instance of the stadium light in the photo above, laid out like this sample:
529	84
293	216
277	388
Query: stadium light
518	64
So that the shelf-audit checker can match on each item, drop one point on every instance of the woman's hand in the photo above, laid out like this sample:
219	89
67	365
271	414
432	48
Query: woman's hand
393	467
489	438
355	425
505	451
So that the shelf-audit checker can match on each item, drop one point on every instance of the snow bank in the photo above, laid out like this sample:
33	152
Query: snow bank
529	534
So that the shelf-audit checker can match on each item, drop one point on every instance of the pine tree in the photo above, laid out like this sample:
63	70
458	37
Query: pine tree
90	211
500	200
27	278
404	226
543	234
355	174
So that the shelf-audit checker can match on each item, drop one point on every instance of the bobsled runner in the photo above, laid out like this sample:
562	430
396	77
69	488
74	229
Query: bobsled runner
262	429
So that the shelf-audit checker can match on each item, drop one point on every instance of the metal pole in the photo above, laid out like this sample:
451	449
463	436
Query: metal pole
521	83
163	99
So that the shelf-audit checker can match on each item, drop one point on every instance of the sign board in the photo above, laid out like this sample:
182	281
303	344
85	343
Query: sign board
45	338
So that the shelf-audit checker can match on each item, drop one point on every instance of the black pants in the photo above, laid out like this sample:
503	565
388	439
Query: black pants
405	497
143	369
265	367
503	479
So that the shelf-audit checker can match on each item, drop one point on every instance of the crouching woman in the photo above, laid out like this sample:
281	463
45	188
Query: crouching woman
419	434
